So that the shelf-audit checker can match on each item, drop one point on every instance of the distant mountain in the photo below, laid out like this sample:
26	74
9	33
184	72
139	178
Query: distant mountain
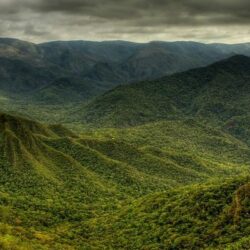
19	50
26	68
18	77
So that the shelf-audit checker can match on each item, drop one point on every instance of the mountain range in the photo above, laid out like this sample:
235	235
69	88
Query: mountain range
86	69
120	145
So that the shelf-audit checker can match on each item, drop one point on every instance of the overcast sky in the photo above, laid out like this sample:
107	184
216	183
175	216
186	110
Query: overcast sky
225	21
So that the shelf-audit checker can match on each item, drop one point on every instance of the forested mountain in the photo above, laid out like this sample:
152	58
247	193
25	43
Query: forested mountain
118	145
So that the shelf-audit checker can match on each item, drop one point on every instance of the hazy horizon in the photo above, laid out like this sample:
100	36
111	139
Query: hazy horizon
125	41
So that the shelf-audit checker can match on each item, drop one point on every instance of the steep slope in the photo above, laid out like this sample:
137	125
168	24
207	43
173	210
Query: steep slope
29	165
215	93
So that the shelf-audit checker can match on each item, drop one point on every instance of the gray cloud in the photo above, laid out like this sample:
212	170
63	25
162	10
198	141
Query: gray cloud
168	10
139	20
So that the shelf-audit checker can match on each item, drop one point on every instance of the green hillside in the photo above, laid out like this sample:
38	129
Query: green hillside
59	190
131	161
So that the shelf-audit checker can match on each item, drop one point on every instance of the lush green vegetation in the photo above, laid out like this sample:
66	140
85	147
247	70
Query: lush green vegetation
60	190
152	165
210	216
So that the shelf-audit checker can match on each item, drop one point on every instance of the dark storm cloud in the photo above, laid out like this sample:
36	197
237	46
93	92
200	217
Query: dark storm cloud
166	11
64	19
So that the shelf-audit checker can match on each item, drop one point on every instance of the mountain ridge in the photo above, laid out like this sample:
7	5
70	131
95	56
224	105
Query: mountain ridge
100	65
